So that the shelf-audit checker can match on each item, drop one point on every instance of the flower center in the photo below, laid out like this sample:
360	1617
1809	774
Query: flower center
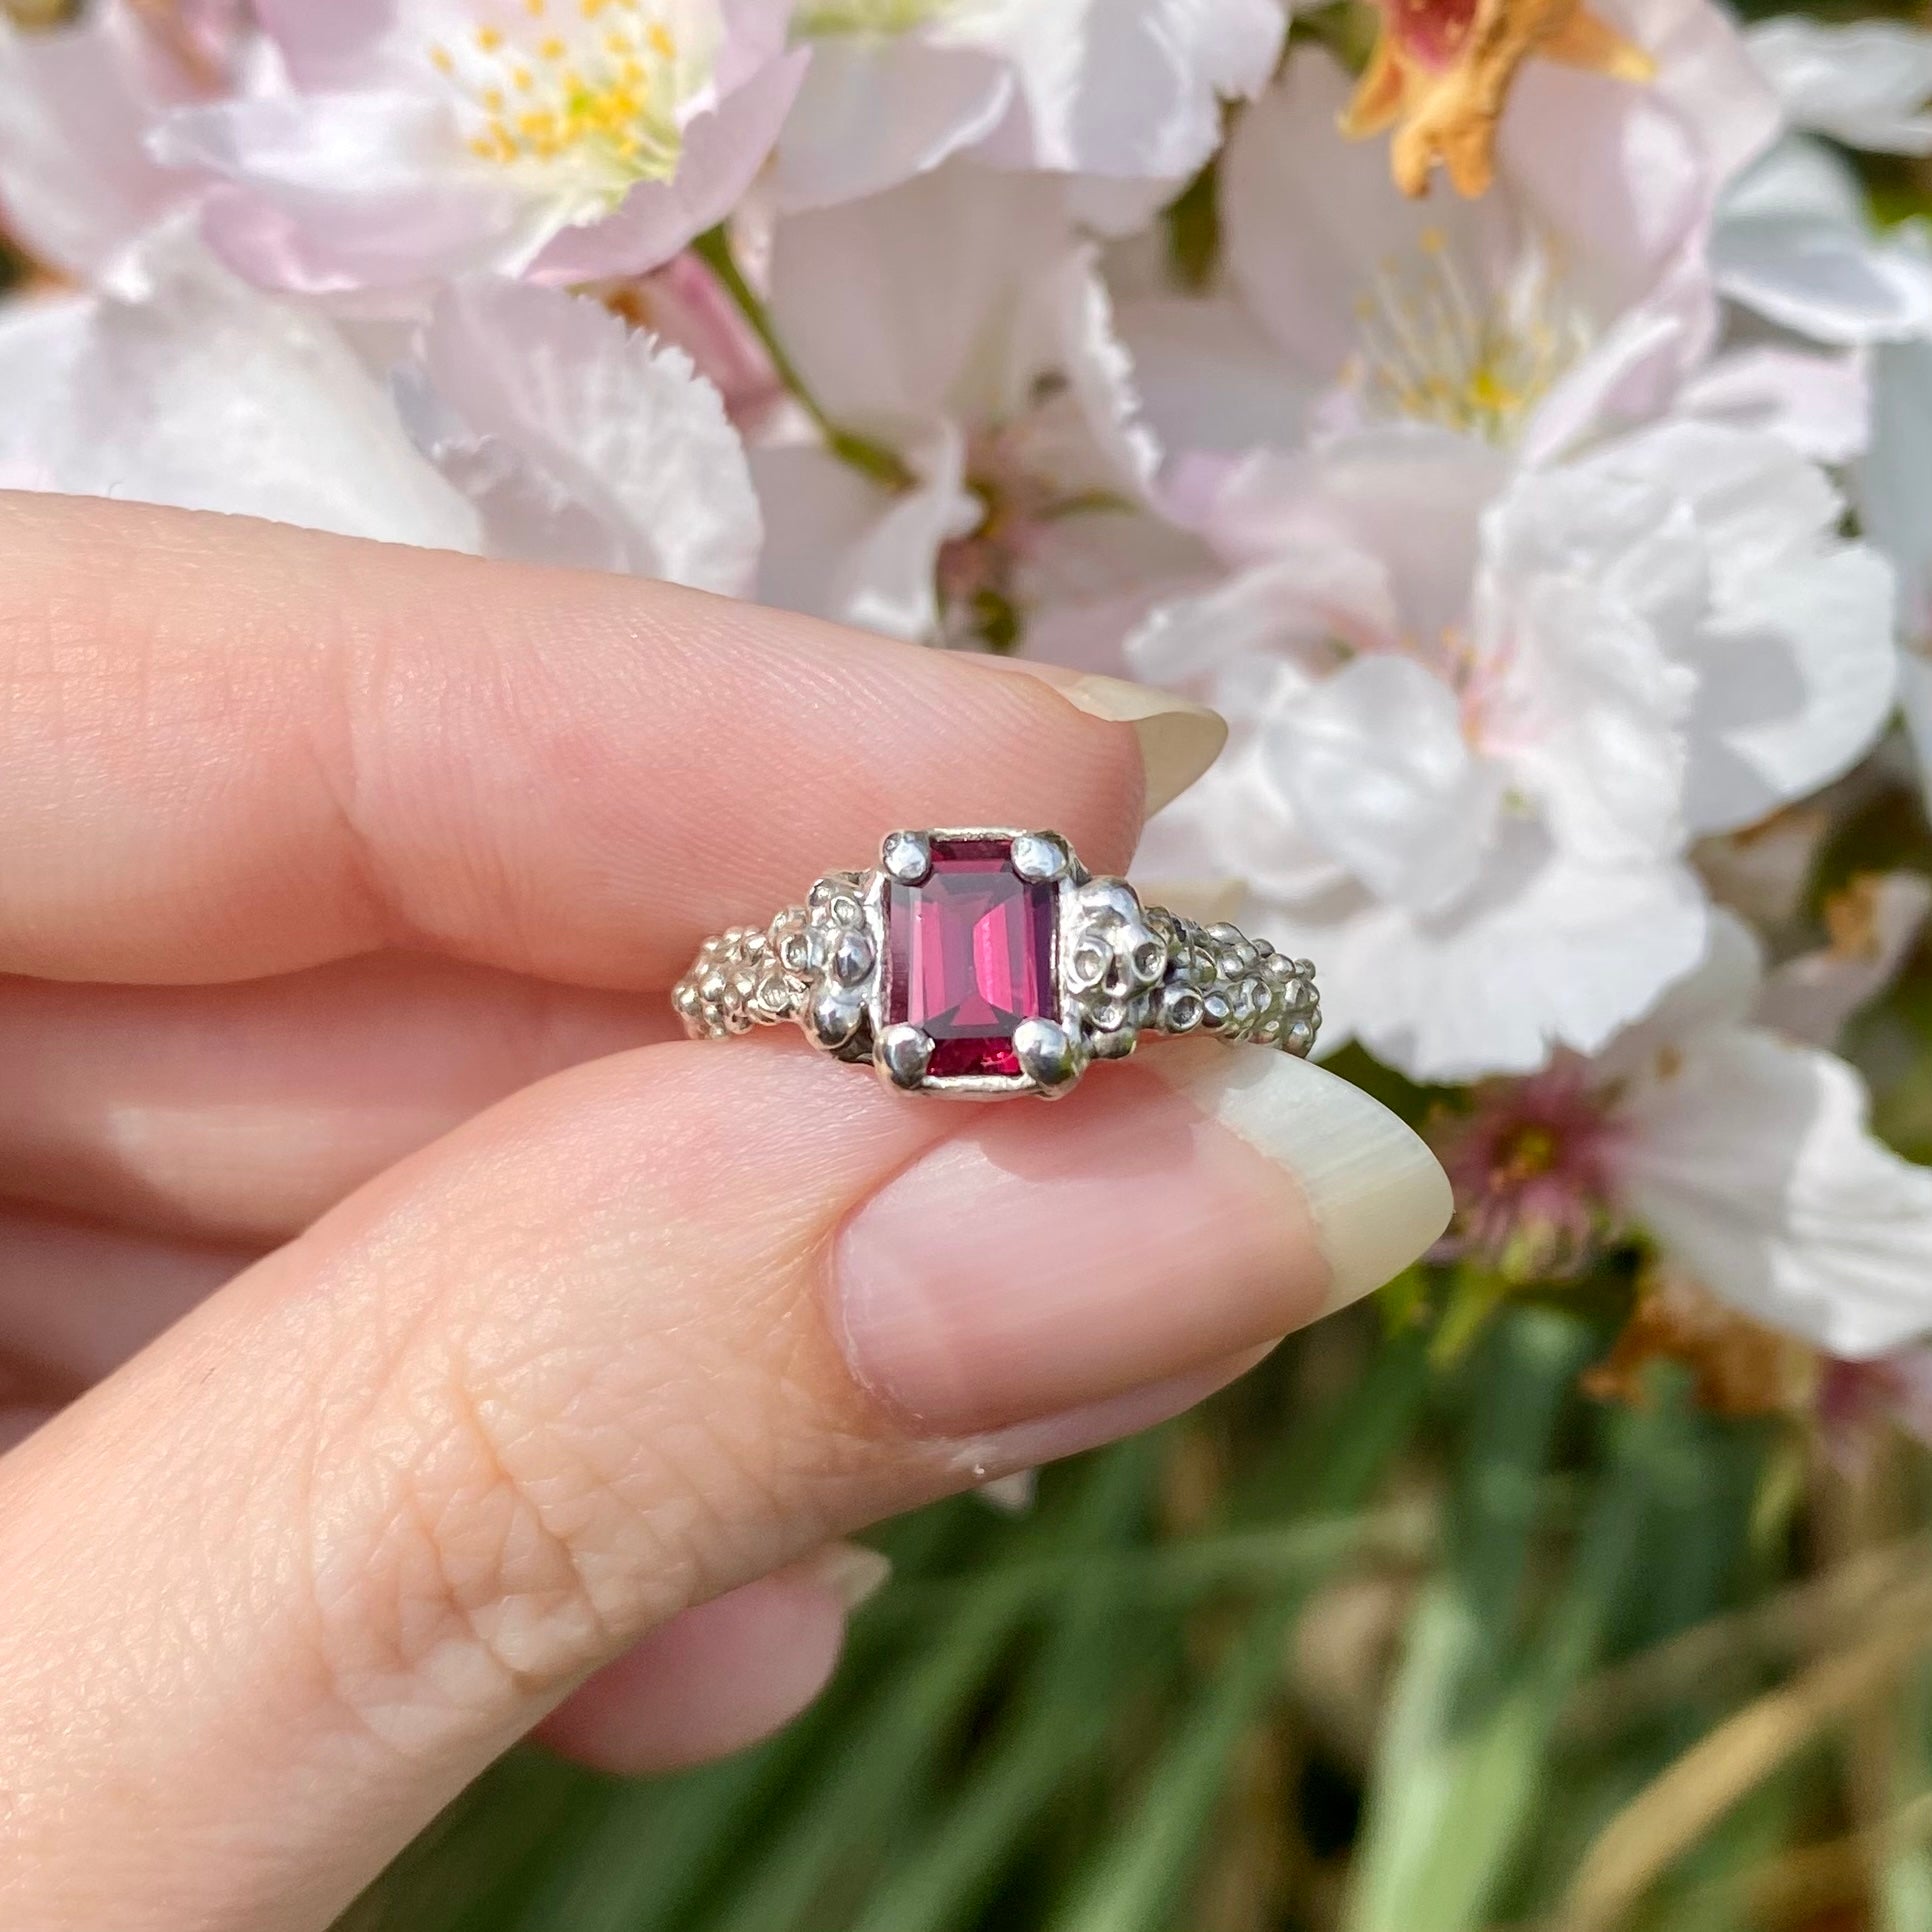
592	86
1529	1162
1432	349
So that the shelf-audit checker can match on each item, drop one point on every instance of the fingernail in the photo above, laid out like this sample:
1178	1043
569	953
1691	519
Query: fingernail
1376	1194
1152	1224
1179	739
853	1573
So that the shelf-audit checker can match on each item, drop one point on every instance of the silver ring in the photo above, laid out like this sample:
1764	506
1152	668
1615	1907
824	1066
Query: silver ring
989	962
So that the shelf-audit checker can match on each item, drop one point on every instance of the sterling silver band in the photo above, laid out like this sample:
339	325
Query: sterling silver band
1119	969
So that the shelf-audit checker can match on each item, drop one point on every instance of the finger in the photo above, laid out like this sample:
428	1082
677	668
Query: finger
631	1339
229	749
76	1300
720	1675
240	1113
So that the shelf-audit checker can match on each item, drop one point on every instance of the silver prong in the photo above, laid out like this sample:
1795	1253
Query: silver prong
1047	1054
907	856
1040	856
904	1054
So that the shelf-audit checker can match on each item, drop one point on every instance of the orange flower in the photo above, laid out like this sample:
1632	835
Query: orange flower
1442	69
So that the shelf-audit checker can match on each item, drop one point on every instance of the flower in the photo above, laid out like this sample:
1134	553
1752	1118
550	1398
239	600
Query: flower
1478	714
1530	1165
419	140
1442	69
1123	89
542	427
1744	1155
1571	298
958	320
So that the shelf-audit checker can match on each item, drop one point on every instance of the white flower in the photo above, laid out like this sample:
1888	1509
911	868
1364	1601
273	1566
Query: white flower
1743	1152
1479	713
1127	89
1572	295
564	139
1866	84
544	428
958	321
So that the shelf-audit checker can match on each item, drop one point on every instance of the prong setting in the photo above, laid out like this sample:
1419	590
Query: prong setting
905	1052
1040	856
907	857
1049	1055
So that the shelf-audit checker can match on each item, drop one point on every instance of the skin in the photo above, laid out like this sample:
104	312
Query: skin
404	1339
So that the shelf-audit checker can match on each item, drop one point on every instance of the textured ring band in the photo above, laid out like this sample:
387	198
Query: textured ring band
990	962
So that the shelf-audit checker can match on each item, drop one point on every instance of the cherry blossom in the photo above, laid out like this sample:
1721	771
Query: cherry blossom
1478	714
413	140
1574	295
1743	1153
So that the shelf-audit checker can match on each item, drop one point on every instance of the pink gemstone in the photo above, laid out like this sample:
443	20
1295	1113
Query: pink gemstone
971	955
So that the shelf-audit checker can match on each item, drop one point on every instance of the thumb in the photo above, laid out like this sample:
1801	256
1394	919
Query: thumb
281	1586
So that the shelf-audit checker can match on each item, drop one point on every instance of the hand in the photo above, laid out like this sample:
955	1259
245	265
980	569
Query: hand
439	1345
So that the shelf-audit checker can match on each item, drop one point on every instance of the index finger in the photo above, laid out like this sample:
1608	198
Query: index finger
230	748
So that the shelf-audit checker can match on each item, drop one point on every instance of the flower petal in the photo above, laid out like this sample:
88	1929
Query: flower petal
580	440
1892	486
1129	87
1546	954
1751	1160
1876	921
1209	379
350	190
1594	710
75	105
1797	669
1865	83
1820	404
208	396
1375	766
838	546
930	298
876	110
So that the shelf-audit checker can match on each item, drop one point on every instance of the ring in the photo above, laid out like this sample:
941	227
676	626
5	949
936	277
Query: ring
991	962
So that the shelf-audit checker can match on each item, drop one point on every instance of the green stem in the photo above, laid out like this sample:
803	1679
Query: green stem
882	465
